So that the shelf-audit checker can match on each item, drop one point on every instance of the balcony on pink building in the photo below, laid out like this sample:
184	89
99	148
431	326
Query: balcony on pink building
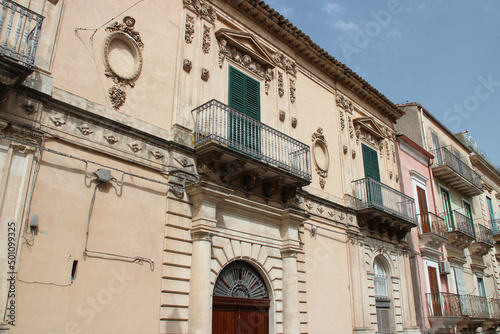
432	232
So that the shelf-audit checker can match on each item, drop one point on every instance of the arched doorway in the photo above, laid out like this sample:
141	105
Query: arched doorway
240	301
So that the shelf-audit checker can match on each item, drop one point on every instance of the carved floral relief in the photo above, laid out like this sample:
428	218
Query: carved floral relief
345	105
321	157
122	58
288	64
281	85
189	33
206	39
292	91
202	9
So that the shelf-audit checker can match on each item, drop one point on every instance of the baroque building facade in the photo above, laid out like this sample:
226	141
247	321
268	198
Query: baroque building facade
195	167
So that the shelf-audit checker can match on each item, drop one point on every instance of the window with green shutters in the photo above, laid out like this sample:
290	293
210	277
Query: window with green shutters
244	96
370	162
374	189
445	196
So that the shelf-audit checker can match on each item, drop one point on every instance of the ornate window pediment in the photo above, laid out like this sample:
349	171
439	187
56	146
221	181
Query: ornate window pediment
368	130
247	44
366	124
243	48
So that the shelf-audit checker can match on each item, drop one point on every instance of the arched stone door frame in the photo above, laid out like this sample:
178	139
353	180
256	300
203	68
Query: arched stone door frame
232	296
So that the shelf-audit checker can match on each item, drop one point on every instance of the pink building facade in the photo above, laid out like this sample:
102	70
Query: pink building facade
427	239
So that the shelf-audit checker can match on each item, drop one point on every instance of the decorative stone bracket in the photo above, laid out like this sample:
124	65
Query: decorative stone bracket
234	175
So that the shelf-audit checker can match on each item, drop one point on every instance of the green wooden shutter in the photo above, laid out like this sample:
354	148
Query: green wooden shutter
253	98
370	162
244	93
244	96
237	90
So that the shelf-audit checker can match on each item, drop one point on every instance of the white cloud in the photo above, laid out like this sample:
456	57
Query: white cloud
344	26
333	8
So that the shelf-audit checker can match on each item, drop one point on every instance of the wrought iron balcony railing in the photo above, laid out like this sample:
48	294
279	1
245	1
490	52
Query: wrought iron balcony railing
460	223
443	157
494	308
431	223
19	32
373	194
445	304
477	307
217	122
484	235
495	226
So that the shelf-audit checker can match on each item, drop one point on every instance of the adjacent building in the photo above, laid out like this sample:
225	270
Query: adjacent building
455	267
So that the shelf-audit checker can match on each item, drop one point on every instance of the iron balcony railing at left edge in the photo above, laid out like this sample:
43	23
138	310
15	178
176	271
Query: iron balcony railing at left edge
371	193
20	30
219	123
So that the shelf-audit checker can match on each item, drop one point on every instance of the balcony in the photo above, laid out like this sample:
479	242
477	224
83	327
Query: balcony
432	232
495	229
20	30
237	150
447	310
460	229
494	309
455	172
383	209
476	307
484	241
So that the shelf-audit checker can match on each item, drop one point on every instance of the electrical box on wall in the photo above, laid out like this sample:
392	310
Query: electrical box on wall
444	267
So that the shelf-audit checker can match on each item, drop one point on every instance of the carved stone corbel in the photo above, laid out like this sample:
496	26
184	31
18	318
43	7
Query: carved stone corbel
273	185
289	193
252	179
232	170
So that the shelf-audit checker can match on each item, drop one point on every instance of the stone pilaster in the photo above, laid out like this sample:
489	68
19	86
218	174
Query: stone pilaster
359	285
291	311
200	303
290	223
205	197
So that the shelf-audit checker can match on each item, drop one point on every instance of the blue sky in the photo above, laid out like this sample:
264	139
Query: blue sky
442	54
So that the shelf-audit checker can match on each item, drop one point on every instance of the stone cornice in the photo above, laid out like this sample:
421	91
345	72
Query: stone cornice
81	122
302	44
485	168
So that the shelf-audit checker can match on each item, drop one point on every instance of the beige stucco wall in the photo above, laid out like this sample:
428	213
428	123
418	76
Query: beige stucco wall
79	62
106	294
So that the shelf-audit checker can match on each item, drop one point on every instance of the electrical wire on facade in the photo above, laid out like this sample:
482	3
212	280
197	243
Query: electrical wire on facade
90	253
176	189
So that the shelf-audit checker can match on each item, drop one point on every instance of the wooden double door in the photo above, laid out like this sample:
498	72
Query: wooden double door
240	315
